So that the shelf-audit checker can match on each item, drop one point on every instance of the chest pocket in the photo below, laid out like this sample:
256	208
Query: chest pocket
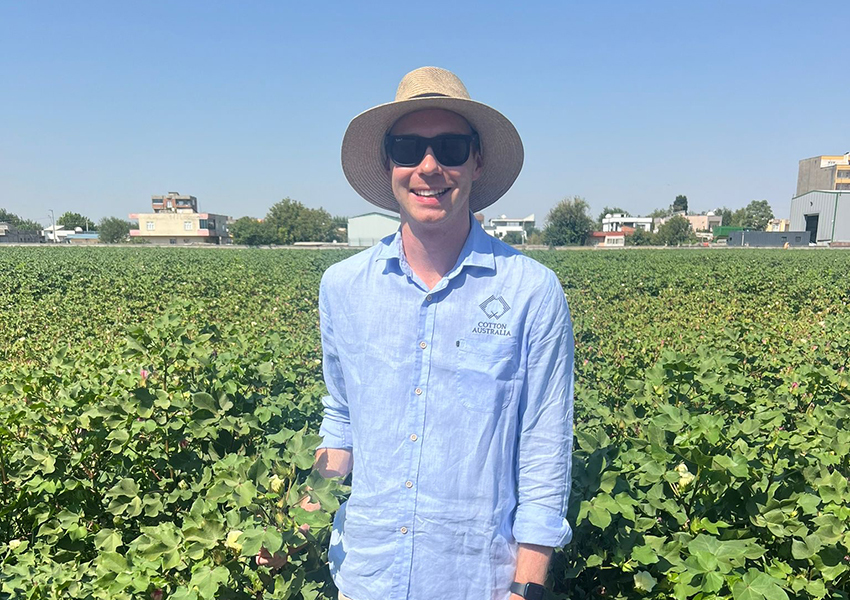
486	372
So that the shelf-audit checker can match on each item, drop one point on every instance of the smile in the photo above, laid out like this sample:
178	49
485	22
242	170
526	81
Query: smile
430	193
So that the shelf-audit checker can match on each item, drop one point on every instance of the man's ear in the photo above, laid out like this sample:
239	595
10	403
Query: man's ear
479	167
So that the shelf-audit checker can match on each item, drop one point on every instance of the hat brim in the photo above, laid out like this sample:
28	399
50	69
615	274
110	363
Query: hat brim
364	165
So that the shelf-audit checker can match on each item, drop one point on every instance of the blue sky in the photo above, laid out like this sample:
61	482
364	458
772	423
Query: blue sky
243	103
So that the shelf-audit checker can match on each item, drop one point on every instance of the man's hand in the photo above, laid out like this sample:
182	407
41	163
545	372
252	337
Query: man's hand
330	462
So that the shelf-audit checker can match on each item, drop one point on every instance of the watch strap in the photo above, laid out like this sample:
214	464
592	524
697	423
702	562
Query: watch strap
531	591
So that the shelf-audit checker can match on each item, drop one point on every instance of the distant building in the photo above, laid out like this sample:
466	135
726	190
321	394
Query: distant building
706	222
607	239
619	222
699	223
83	238
767	239
823	173
501	226
175	220
9	234
369	228
55	234
825	215
778	225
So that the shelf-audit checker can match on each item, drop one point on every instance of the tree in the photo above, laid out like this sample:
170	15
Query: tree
73	220
659	213
290	222
641	237
738	217
112	230
512	237
611	211
674	231
680	204
251	232
17	222
535	238
340	228
568	223
725	215
757	214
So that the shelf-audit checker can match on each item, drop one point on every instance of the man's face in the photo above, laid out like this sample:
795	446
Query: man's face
431	193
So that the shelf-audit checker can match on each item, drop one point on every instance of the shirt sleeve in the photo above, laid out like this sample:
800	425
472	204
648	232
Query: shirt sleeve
336	424
545	442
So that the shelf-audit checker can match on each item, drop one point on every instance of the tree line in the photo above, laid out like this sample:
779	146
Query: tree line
569	223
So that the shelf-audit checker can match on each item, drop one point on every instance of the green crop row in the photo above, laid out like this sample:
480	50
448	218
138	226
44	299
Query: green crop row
159	409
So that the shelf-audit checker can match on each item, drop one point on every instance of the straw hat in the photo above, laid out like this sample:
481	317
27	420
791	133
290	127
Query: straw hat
364	161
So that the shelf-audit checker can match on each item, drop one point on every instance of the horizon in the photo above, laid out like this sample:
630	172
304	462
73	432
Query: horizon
626	106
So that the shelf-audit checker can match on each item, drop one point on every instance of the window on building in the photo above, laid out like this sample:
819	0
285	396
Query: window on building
149	225
203	224
843	174
187	225
172	241
170	205
842	186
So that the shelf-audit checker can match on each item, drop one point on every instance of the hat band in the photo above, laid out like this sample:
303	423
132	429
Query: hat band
430	95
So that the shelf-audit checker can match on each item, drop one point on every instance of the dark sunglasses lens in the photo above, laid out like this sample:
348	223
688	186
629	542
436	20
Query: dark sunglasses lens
453	152
406	152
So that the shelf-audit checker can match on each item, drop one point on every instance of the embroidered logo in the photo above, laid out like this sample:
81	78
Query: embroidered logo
494	307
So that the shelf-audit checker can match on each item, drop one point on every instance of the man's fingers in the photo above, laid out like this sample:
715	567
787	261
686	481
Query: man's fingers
309	506
264	558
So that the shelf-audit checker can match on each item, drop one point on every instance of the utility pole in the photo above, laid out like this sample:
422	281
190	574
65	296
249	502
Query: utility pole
53	223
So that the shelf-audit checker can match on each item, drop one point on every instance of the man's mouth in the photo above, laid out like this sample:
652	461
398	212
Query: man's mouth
431	193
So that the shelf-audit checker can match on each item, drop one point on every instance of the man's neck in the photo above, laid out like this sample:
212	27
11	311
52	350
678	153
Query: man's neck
431	252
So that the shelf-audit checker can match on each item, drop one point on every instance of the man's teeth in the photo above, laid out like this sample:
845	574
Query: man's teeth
431	193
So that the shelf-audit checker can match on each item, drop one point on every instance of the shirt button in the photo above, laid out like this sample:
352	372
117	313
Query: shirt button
403	530
408	484
413	437
423	345
428	297
418	391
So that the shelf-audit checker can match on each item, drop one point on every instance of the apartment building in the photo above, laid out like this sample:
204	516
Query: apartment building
823	173
175	220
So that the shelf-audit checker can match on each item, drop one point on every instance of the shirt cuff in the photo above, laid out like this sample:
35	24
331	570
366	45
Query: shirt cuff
541	527
335	434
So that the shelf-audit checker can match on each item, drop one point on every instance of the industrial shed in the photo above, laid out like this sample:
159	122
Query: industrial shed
368	229
824	214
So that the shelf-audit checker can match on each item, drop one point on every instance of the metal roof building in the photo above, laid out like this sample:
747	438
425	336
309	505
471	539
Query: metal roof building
369	228
825	214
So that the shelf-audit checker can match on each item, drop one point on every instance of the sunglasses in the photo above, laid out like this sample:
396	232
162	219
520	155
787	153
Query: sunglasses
450	150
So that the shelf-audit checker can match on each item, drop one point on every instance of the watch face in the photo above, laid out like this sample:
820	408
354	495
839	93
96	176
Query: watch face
534	591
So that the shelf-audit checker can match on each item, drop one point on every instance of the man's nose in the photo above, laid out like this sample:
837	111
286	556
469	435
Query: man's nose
429	162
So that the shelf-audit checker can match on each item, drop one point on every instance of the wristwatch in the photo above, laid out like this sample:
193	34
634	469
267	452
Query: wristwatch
529	591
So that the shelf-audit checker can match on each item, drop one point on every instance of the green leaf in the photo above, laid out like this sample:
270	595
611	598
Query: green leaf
600	517
207	581
644	581
645	555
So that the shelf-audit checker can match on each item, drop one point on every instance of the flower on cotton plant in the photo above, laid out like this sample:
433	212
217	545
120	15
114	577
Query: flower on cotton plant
685	476
232	541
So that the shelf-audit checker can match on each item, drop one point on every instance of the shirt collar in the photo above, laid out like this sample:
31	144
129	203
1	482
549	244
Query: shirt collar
477	251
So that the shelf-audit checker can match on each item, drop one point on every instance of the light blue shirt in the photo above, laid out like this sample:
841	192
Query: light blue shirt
457	405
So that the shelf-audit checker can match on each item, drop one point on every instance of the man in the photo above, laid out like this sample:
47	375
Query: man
448	359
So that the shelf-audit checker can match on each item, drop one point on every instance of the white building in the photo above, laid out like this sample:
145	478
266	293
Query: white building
501	226
56	233
616	222
369	228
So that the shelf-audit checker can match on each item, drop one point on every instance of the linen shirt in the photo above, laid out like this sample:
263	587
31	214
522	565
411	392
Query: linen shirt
457	405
